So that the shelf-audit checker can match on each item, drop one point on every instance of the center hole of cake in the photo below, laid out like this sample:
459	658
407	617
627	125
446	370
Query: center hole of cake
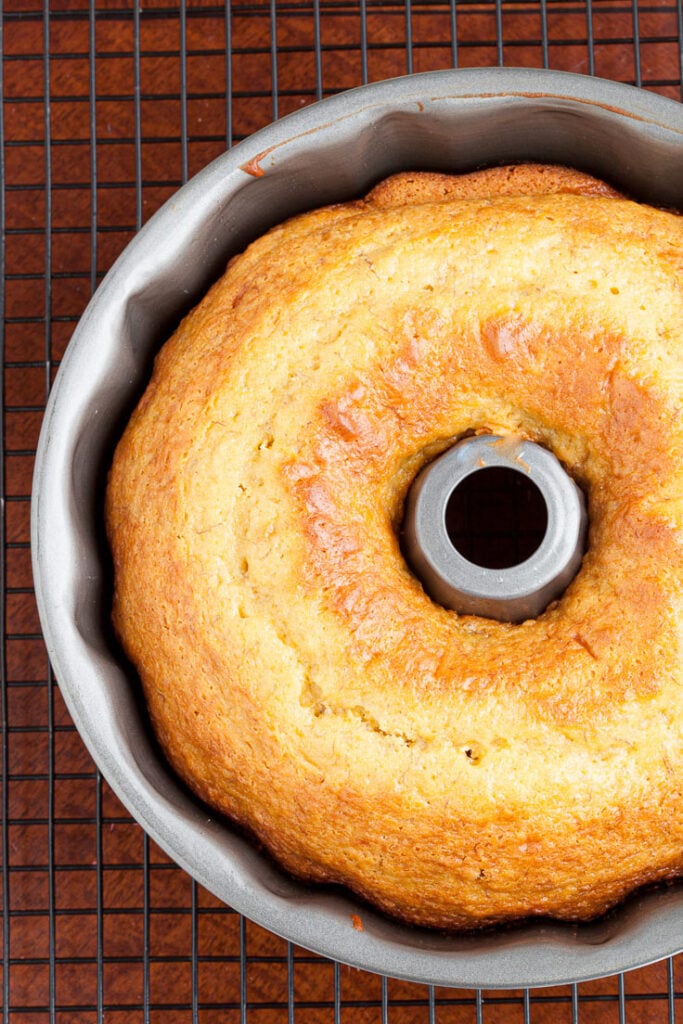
496	517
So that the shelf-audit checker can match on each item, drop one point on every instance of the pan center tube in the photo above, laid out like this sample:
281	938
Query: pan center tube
496	527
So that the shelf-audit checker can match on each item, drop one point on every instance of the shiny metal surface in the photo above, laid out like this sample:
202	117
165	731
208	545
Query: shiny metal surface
331	151
510	593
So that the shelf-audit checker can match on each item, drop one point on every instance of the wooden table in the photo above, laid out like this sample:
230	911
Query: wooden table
108	109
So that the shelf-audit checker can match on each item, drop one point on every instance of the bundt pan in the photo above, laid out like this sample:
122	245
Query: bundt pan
331	151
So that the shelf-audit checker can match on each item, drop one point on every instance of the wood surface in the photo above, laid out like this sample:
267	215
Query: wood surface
99	924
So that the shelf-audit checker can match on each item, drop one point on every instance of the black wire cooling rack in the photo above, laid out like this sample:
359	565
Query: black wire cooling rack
107	109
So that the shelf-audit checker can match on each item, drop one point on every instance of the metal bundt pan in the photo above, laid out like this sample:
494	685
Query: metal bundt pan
334	150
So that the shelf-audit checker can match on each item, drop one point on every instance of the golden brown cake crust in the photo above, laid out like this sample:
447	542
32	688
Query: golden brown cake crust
454	770
512	180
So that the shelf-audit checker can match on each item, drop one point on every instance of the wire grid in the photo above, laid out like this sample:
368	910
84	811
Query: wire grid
106	111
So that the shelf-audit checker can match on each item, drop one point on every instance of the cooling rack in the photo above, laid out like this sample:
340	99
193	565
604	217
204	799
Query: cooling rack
107	109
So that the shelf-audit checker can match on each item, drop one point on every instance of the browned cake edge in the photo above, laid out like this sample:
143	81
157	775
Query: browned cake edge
407	188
